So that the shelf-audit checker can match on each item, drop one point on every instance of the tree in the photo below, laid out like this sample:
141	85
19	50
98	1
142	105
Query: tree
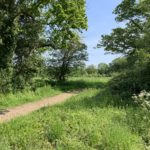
91	70
133	42
63	60
119	64
20	29
103	69
26	30
69	51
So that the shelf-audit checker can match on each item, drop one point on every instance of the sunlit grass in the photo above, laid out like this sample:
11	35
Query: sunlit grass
88	121
11	100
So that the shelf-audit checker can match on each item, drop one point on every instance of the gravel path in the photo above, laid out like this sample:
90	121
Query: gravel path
7	115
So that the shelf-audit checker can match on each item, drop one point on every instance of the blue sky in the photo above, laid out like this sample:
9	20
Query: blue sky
100	21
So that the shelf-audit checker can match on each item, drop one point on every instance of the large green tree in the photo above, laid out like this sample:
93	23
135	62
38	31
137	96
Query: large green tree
26	30
133	42
68	57
67	23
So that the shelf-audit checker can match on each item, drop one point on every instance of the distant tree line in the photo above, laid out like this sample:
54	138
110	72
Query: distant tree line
112	69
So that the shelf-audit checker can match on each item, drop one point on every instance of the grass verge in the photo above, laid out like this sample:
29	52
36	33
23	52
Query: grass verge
19	98
11	100
89	121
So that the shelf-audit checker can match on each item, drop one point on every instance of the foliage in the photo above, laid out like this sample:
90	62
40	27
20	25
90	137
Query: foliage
63	60
143	99
103	69
139	117
26	31
79	71
130	82
5	81
133	42
91	70
118	65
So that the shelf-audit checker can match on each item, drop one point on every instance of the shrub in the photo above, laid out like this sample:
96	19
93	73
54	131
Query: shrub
130	82
143	99
138	119
5	81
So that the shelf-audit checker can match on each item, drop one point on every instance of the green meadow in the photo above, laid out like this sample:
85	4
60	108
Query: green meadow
92	120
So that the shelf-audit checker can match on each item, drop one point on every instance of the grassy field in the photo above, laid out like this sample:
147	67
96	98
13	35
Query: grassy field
92	120
11	100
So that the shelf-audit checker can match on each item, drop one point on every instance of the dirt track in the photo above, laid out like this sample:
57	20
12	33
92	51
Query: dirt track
7	115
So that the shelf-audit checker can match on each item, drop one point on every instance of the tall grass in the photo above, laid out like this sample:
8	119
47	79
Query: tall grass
88	121
11	100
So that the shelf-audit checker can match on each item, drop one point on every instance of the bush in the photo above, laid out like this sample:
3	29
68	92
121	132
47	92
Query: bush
143	99
130	82
5	81
138	119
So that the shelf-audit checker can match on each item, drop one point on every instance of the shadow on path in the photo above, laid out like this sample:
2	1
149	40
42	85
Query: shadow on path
3	111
